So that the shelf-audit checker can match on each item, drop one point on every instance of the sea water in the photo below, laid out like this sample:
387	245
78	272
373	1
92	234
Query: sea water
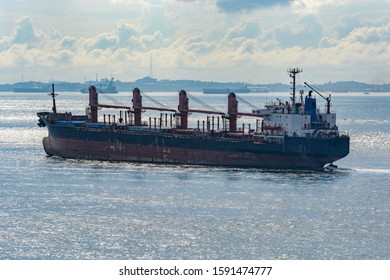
52	208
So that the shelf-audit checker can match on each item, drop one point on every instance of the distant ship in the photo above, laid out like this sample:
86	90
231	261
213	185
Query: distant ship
31	87
291	134
104	86
226	90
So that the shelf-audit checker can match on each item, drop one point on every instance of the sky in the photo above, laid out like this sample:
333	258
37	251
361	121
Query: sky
208	40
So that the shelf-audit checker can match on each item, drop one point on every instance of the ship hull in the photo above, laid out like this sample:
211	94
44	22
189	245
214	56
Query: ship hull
28	90
158	147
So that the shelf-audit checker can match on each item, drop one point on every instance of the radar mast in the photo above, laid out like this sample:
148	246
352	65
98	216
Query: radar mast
293	72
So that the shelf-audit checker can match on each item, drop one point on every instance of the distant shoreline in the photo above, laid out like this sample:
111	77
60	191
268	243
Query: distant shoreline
151	84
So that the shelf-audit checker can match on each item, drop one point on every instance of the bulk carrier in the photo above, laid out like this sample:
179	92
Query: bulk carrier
288	135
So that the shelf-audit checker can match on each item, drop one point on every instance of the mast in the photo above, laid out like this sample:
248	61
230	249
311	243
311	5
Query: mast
293	72
53	96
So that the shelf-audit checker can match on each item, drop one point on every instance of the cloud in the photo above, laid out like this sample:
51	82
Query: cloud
347	24
124	32
309	6
125	36
68	43
160	18
5	43
205	40
307	32
102	41
231	6
198	45
24	32
250	28
59	58
370	35
149	42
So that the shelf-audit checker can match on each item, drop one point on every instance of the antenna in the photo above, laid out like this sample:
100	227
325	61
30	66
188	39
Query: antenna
293	72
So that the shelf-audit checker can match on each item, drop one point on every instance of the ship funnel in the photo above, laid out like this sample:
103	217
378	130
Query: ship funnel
232	111
137	106
183	108
93	103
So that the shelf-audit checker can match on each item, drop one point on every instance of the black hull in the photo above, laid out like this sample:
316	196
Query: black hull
28	90
158	147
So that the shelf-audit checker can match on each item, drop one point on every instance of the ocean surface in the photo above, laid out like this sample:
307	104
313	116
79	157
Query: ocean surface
51	208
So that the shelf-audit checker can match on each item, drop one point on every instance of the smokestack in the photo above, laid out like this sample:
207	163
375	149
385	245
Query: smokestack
137	106
232	111
93	103
183	108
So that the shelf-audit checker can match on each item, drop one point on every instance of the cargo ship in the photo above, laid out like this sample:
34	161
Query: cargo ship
288	135
31	87
104	86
